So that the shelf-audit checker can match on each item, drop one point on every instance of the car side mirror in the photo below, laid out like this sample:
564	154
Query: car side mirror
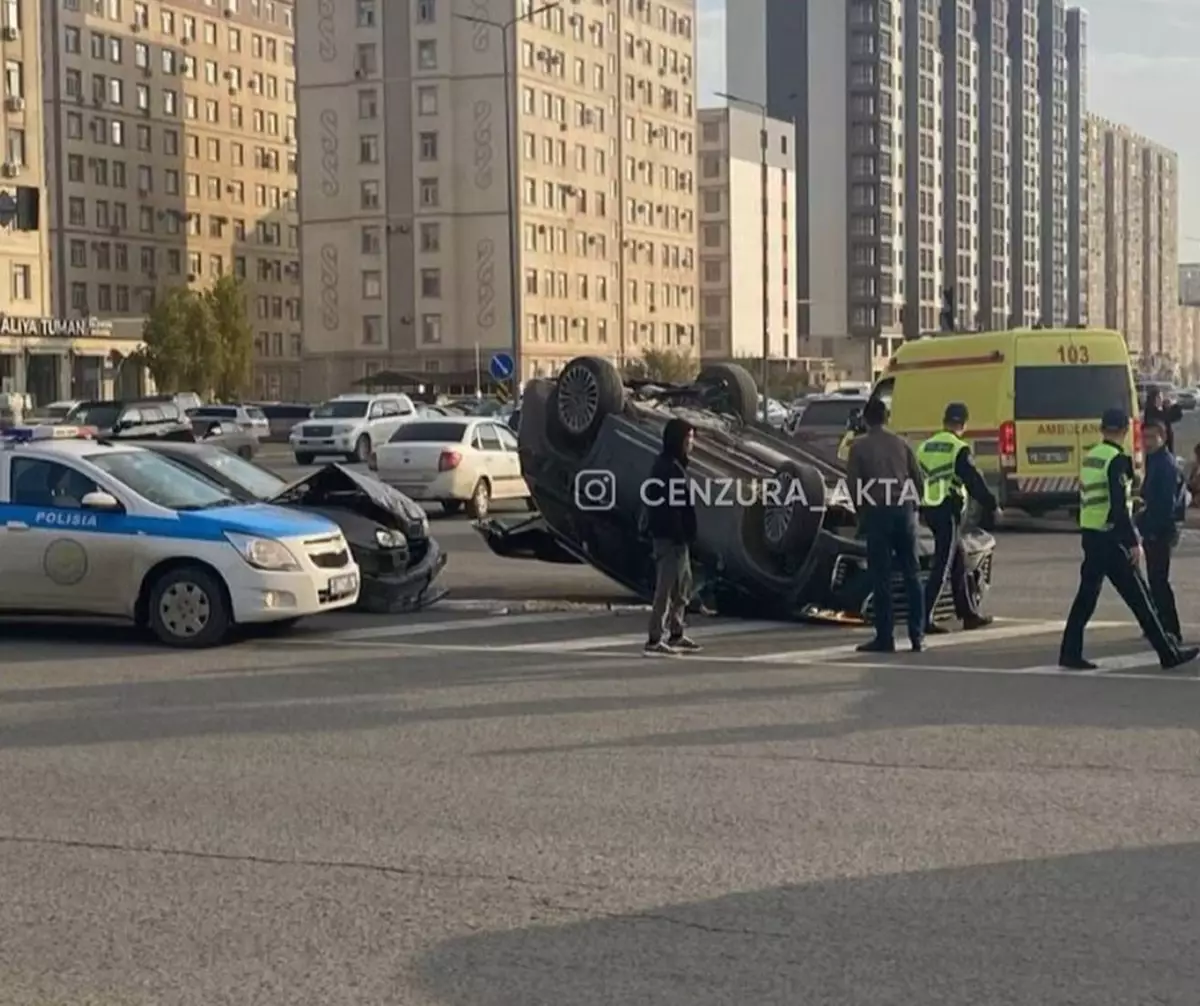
100	500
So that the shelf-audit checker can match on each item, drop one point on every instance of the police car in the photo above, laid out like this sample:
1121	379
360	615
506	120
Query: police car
89	527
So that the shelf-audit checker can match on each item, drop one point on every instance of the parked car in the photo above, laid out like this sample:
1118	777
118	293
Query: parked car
283	417
1186	398
136	419
351	426
456	461
820	426
795	557
388	533
246	418
55	412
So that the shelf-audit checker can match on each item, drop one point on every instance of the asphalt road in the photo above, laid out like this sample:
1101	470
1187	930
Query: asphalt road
478	808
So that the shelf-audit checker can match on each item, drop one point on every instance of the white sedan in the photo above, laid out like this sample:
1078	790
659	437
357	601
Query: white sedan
453	460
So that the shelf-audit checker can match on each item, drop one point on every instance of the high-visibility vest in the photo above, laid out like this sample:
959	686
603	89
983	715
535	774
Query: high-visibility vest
1095	502
937	458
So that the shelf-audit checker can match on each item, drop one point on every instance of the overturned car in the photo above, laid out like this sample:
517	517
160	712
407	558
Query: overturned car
387	532
587	443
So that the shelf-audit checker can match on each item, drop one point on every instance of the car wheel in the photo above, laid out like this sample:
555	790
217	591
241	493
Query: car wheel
362	449
793	508
480	501
304	459
452	506
189	608
245	453
732	391
588	389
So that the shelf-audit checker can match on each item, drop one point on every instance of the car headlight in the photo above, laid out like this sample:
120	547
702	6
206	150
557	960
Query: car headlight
263	553
389	539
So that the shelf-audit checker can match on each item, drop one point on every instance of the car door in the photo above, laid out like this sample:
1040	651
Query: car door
495	460
377	422
67	558
514	480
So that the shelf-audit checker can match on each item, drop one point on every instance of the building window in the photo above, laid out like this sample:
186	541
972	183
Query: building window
426	11
369	195
427	100
431	283
372	243
79	296
366	13
372	330
431	329
372	285
22	282
14	147
429	146
368	150
429	192
427	55
368	104
712	236
366	60
431	237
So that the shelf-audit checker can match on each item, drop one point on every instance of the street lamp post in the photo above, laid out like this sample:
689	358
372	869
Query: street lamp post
514	284
766	240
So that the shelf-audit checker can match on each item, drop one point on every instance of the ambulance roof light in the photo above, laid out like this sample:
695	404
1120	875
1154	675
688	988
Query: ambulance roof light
48	431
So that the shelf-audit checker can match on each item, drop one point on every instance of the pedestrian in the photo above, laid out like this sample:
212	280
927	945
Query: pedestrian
1112	550
671	521
1163	495
950	479
883	474
1159	410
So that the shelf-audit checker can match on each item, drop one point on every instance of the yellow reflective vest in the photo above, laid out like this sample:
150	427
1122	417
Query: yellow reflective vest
937	458
1095	501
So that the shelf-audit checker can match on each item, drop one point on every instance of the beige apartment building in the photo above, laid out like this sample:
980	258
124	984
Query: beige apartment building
1134	199
404	208
163	138
732	209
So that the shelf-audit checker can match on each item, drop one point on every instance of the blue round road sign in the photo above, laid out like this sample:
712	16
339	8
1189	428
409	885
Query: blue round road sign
501	366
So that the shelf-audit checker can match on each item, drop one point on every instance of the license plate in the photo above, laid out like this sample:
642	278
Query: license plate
1052	456
343	586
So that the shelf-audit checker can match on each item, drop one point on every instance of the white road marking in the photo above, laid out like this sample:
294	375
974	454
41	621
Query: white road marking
595	643
1107	667
426	628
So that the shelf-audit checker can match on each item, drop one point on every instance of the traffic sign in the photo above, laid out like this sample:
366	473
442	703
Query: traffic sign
501	366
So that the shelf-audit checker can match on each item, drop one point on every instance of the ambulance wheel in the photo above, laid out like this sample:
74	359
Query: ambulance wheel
189	608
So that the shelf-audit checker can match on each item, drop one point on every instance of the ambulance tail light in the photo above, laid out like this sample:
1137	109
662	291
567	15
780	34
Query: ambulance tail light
449	460
1008	443
1139	452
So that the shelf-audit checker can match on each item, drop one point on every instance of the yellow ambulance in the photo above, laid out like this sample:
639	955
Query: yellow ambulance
1035	398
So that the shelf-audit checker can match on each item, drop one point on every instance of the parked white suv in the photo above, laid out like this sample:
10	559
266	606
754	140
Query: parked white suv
350	425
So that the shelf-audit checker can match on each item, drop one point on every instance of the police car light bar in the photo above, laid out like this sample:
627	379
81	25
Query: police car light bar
48	431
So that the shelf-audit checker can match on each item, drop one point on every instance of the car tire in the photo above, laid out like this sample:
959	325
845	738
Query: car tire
304	459
588	389
792	522
452	506
245	453
189	608
480	501
732	391
362	450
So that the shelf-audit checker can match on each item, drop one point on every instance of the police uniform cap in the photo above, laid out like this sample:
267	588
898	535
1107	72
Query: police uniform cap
1114	419
956	412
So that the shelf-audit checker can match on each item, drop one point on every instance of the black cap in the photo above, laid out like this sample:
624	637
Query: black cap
1114	419
956	413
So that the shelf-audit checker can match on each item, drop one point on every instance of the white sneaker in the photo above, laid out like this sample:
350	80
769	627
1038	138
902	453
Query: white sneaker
659	649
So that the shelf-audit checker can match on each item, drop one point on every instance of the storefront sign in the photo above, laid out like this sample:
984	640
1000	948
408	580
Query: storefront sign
68	328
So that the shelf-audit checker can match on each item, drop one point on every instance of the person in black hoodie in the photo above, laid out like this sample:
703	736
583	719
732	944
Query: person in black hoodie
1159	522
1167	414
671	520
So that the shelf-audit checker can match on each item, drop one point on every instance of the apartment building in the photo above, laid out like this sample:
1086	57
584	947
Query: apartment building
995	160
405	210
1054	109
734	275
1079	238
961	142
1025	145
1135	191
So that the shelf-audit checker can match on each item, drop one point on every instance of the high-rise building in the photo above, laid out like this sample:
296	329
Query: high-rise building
1054	108
1135	189
1025	166
995	173
733	210
407	198
1079	247
961	142
168	134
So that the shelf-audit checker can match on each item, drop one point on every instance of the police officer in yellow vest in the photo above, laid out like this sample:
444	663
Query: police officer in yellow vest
950	477
1113	550
855	428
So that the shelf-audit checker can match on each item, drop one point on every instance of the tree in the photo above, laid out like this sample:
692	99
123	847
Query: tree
200	342
227	305
671	366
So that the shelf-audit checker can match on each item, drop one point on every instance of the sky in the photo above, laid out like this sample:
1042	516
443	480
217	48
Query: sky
1144	72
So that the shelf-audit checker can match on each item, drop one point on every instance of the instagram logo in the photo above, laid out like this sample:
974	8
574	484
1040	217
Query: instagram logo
595	490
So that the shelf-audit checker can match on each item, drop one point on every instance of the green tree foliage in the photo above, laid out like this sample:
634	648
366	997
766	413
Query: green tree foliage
671	366
200	341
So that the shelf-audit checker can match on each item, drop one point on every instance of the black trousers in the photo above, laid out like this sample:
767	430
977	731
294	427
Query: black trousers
1104	558
949	560
891	533
1158	573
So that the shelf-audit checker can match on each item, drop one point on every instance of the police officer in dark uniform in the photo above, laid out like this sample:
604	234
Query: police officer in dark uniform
950	478
1113	550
